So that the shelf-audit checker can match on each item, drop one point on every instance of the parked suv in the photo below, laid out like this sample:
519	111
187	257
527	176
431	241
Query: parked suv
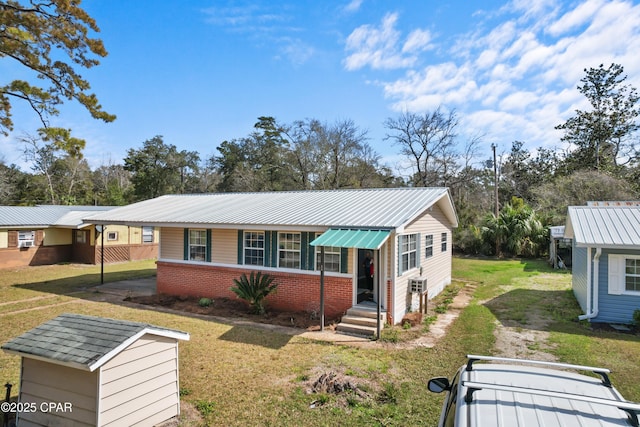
516	392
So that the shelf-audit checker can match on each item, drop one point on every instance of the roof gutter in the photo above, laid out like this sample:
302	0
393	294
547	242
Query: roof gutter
592	291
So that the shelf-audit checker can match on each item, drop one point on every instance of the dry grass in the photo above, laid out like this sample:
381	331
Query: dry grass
244	375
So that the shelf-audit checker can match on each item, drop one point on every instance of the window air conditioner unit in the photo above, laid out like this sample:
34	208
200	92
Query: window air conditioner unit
418	285
25	243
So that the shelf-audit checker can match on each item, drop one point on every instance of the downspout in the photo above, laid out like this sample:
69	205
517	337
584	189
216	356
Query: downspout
593	309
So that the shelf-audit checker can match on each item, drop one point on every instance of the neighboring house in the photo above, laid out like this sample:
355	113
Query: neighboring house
45	234
606	260
208	240
92	371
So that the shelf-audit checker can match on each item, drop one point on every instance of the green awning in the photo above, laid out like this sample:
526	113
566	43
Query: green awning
361	239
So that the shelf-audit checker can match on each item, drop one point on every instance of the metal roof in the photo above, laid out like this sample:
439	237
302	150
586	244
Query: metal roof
362	239
604	226
362	208
46	215
83	342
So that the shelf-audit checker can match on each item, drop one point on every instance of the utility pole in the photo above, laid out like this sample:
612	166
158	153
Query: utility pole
495	180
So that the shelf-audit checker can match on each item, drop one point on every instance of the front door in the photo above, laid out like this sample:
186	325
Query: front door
366	276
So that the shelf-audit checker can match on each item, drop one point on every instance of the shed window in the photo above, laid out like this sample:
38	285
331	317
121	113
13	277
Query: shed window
289	250
428	245
254	247
331	258
624	274
408	252
632	275
112	235
443	242
147	234
197	245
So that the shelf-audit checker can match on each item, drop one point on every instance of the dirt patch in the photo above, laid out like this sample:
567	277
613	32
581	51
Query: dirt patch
235	309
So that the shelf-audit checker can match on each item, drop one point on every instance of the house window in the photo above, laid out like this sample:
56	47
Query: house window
197	245
443	244
428	246
408	252
81	236
112	235
147	234
254	247
289	250
632	274
331	258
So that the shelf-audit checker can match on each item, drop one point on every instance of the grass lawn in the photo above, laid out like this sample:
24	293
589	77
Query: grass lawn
238	375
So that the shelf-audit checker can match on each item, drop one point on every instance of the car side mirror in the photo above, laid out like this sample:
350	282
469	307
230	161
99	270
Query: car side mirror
438	385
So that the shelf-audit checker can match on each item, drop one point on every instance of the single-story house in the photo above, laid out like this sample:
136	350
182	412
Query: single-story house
90	371
207	240
49	234
606	260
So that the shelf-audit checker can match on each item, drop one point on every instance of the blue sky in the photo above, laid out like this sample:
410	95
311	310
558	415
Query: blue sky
201	72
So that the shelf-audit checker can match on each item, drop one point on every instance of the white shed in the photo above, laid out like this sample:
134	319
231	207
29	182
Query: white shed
84	370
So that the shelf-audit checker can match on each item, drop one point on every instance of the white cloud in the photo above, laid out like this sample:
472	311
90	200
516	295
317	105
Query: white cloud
517	78
379	47
353	6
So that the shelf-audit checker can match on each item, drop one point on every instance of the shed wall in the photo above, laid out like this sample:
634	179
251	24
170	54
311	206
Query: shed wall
614	308
579	280
48	382
140	385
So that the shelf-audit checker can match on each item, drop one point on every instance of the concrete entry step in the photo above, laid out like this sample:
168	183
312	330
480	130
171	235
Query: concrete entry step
361	320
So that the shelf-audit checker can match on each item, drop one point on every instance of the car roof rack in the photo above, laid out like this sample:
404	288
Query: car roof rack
603	372
631	408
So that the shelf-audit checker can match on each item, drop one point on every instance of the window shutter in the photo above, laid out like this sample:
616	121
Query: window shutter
267	249
344	260
186	244
240	246
304	250
616	275
12	239
209	245
311	251
418	243
274	247
39	237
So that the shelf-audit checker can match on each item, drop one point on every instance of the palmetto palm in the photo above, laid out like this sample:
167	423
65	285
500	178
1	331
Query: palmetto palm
254	289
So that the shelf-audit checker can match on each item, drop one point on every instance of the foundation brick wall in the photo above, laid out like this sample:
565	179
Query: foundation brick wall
295	292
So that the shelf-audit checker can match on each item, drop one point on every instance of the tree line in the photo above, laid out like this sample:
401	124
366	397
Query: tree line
599	158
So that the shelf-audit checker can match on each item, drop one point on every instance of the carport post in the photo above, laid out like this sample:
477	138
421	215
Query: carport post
321	288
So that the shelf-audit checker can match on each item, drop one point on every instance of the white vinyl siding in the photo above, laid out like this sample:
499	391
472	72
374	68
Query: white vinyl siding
140	383
226	246
172	243
48	382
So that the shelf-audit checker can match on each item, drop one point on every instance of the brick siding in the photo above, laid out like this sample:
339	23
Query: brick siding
296	292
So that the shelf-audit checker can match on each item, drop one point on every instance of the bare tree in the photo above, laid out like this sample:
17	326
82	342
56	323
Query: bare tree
428	141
